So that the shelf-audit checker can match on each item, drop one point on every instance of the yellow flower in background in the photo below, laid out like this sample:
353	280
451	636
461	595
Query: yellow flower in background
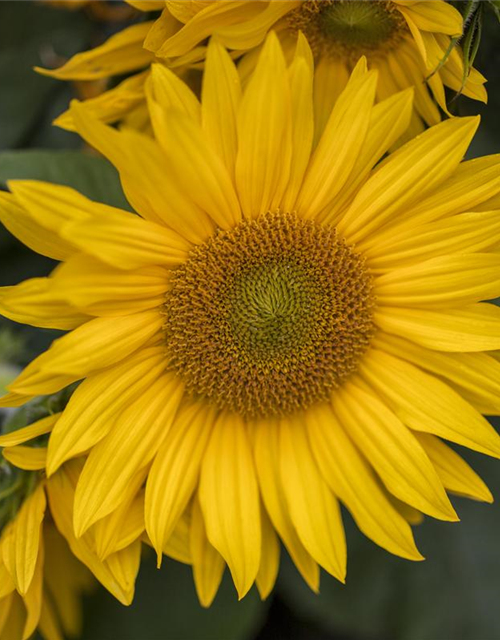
41	580
284	326
407	41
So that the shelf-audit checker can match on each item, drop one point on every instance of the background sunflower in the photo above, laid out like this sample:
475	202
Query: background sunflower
453	595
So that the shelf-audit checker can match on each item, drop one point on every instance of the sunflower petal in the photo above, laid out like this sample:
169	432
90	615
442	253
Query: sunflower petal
121	53
96	403
473	328
266	454
318	523
425	403
454	472
229	499
174	474
264	134
352	480
22	539
208	564
392	450
129	447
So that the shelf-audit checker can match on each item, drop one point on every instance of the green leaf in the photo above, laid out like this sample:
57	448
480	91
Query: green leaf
32	34
166	608
95	177
451	594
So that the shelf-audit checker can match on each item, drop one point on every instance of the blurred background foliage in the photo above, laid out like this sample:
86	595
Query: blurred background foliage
453	595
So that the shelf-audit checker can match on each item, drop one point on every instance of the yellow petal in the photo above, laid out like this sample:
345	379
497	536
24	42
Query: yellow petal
221	97
121	53
250	33
313	508
21	540
125	565
203	23
174	473
462	233
443	282
331	76
178	545
355	484
14	624
301	73
129	447
190	160
407	175
53	206
21	224
434	15
229	499
95	404
125	524
340	145
266	445
33	302
264	134
392	450
389	119
38	428
149	188
14	399
96	288
270	558
33	597
425	403
95	345
49	625
475	374
61	492
111	105
171	93
128	242
27	458
474	182
208	564
5	608
454	472
473	328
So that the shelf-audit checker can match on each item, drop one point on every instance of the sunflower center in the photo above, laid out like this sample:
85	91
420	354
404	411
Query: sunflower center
269	317
349	28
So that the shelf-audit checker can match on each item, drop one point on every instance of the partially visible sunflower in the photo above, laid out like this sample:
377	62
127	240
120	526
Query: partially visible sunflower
282	327
408	41
41	580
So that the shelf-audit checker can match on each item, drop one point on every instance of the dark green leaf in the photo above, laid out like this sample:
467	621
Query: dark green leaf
95	177
451	595
166	608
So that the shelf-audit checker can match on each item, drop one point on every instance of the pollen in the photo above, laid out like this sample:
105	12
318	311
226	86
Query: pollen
269	317
349	28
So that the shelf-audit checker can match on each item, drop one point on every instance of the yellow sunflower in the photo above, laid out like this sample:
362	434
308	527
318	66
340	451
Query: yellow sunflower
406	40
282	328
41	580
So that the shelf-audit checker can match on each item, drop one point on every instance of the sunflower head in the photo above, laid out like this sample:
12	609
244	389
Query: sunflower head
294	318
269	317
348	29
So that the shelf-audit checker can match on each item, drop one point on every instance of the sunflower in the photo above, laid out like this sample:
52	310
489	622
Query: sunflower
41	579
280	329
409	42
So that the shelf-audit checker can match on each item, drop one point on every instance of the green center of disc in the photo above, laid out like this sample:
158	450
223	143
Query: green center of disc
270	307
357	22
